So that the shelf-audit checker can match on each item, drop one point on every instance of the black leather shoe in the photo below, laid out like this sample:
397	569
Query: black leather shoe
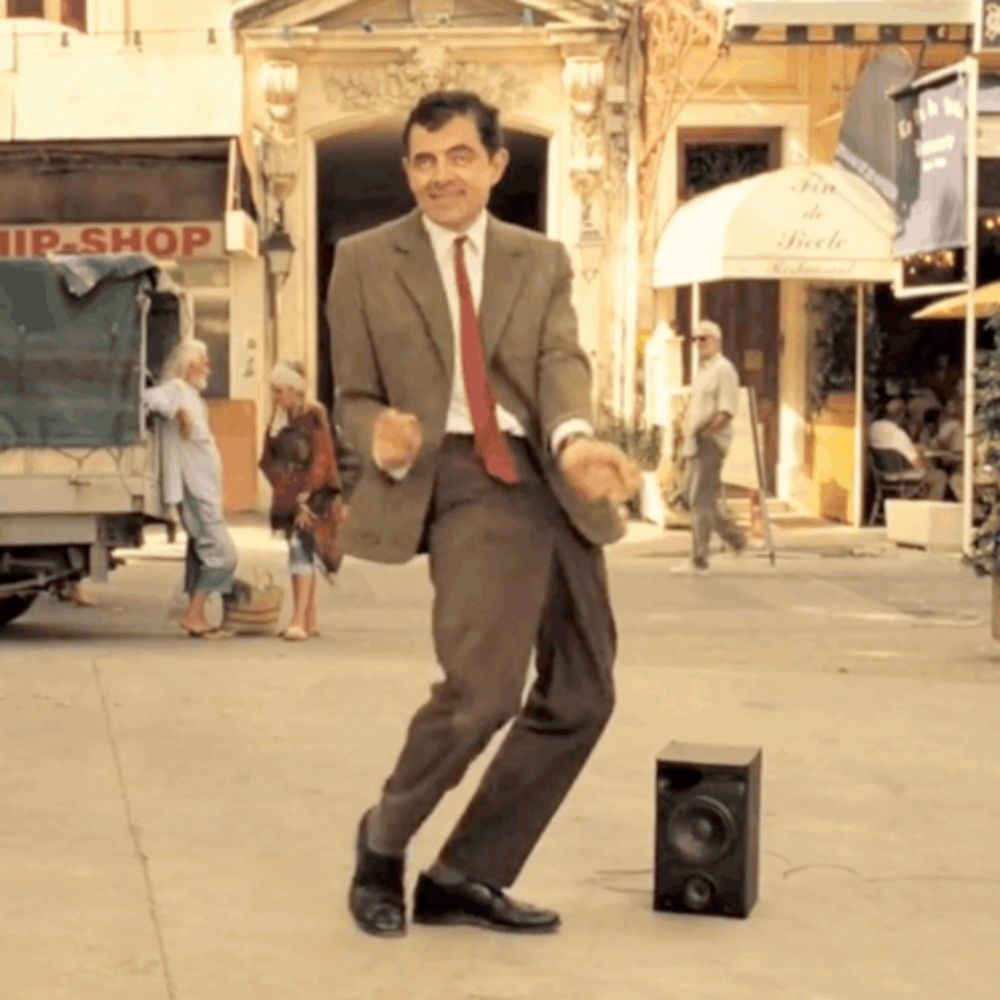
376	898
478	904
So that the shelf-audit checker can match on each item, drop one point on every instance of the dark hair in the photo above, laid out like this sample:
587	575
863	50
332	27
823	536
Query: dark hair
434	110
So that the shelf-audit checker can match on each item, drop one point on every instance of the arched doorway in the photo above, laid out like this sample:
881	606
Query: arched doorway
360	183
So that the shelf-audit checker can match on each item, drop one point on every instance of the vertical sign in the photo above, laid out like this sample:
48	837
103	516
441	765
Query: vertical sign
930	166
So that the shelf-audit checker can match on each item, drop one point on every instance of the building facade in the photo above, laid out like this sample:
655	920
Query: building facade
238	142
768	88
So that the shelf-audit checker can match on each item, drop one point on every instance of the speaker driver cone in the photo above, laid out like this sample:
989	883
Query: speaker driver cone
698	893
701	830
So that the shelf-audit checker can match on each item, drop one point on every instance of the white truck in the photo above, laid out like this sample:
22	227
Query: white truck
80	337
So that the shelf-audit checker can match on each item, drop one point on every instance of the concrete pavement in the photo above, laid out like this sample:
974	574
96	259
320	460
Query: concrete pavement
178	815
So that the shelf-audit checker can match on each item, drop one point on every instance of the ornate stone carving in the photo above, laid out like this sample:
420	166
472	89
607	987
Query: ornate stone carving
422	69
583	78
432	11
279	87
673	31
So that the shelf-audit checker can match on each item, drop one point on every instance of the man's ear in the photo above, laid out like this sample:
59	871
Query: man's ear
498	163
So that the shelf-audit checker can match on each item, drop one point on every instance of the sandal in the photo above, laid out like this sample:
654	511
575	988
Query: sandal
207	633
294	633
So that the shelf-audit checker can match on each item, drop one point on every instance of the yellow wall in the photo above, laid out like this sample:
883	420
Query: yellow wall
830	459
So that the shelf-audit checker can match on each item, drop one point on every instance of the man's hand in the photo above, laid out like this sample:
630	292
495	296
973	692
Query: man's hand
184	422
717	422
396	439
596	470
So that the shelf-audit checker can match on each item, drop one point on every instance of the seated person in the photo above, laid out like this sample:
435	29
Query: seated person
951	438
927	438
895	452
951	433
920	402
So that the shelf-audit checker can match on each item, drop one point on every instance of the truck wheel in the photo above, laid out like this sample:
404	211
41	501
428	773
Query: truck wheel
12	607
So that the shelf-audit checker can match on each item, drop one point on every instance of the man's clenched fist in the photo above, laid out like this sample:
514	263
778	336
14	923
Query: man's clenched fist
596	470
396	439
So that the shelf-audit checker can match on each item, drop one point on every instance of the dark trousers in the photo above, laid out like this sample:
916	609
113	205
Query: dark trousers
703	497
510	574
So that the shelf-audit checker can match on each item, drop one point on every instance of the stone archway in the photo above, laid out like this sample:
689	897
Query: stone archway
360	183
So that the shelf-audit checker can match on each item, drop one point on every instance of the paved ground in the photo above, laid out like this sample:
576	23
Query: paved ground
178	815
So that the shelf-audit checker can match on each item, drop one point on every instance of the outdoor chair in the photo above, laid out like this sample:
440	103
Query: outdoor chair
894	478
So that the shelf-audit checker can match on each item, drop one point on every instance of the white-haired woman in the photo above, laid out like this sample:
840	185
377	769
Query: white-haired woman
300	463
192	477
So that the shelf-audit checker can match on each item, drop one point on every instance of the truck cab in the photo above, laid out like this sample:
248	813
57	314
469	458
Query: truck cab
80	338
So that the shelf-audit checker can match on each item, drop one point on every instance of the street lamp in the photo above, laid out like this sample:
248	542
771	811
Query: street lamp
278	252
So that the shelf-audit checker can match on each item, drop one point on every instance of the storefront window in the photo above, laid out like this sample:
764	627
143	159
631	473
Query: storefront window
72	13
211	325
206	285
711	158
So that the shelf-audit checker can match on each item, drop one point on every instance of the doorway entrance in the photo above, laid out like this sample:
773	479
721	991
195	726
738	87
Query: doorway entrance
360	184
747	311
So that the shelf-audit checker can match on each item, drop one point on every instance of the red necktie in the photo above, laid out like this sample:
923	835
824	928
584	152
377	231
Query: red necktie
490	443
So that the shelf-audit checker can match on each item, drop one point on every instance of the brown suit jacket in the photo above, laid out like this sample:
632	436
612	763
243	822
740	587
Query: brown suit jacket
393	345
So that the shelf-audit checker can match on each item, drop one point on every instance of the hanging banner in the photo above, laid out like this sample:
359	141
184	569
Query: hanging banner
866	143
930	166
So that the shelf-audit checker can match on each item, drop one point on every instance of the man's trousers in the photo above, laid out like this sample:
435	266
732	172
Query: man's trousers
510	575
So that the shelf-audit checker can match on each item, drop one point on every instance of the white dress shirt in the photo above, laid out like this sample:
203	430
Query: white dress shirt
459	419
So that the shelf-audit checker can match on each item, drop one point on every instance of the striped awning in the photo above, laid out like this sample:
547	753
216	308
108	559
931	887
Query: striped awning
850	22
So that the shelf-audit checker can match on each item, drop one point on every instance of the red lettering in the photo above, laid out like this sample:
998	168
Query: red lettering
132	241
193	238
161	241
5	247
43	240
93	239
20	243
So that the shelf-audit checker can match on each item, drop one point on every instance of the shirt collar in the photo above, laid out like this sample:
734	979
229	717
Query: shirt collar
443	239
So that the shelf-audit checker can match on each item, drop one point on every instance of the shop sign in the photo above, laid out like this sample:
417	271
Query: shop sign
160	240
931	176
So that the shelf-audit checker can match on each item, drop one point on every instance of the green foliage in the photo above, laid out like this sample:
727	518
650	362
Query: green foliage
985	556
636	439
833	321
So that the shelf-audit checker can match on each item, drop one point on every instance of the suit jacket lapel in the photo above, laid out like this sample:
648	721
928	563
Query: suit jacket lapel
503	275
418	271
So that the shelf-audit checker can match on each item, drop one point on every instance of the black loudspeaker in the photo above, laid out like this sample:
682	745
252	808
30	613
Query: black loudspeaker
707	829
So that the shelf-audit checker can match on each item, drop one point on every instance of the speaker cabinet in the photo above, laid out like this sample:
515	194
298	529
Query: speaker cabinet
707	829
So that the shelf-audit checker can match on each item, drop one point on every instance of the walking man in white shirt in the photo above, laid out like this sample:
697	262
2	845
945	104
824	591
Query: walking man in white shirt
708	434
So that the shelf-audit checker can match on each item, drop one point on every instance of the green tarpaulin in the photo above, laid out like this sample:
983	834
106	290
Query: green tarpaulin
72	351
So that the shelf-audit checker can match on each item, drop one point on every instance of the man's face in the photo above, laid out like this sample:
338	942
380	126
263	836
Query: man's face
708	347
450	172
198	372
